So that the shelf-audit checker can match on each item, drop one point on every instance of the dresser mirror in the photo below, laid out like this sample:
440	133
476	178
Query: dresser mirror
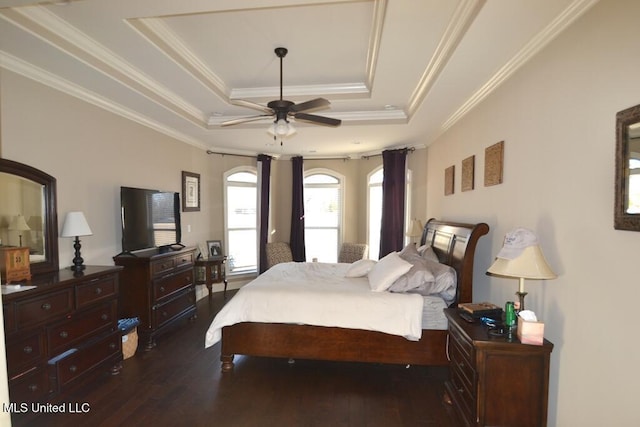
28	214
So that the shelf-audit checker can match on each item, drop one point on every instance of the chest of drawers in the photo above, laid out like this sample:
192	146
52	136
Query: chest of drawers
60	331
158	289
495	381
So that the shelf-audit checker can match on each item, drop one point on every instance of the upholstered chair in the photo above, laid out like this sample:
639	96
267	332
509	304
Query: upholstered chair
352	252
278	252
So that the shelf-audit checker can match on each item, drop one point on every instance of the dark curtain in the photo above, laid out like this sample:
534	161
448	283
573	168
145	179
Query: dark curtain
297	212
393	189
263	226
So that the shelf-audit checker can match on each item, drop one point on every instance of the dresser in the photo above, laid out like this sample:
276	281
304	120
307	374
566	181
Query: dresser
158	288
61	331
495	380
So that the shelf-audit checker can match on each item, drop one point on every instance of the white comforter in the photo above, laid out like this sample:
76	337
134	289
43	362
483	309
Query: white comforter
319	294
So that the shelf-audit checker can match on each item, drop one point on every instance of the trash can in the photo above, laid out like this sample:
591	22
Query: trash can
129	329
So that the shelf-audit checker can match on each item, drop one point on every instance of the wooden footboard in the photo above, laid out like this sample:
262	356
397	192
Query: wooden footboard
337	344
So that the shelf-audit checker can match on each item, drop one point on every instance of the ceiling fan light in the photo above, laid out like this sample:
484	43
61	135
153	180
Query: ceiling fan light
281	129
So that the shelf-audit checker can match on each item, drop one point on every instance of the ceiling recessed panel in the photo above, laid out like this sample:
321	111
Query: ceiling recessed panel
327	43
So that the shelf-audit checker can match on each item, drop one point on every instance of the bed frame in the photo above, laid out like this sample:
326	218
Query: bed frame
455	245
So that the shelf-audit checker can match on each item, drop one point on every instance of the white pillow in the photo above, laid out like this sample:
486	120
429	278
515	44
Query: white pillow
360	268
386	271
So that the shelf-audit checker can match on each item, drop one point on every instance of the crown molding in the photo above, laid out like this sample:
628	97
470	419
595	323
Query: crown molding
336	91
25	69
166	41
348	117
379	14
535	45
47	26
459	23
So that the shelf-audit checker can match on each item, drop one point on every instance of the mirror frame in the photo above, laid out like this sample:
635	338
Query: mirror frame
622	219
50	264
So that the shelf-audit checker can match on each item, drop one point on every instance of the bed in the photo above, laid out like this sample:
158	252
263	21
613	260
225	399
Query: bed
454	245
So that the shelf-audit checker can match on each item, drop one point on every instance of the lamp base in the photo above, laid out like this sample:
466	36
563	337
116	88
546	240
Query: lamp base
78	265
521	296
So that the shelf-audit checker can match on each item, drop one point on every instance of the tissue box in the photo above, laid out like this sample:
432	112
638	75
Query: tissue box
530	332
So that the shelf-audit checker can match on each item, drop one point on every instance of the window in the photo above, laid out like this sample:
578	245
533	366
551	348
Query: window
322	214
240	187
374	196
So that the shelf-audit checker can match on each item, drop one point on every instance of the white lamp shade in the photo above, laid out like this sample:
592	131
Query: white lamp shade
531	264
415	228
75	224
18	223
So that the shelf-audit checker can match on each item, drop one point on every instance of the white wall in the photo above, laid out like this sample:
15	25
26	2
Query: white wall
557	118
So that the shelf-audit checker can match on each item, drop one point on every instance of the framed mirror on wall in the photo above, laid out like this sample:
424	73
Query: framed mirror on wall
28	214
627	179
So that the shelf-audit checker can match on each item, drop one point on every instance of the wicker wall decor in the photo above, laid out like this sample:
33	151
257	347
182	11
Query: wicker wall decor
493	164
448	180
468	166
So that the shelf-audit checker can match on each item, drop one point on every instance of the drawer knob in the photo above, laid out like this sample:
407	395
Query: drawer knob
164	314
64	334
112	346
73	368
46	306
28	349
98	291
104	317
33	388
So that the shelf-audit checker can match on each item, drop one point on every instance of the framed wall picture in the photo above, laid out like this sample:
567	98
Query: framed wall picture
190	192
214	248
449	174
467	180
493	164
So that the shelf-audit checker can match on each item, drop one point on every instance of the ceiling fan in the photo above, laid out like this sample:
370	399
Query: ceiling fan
281	110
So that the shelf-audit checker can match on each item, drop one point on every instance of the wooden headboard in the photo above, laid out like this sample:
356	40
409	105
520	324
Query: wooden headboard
455	245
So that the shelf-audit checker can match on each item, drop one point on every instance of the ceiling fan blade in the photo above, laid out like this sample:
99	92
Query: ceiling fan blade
249	104
245	119
317	119
310	105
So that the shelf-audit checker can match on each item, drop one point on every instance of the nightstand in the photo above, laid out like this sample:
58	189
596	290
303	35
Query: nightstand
494	380
214	272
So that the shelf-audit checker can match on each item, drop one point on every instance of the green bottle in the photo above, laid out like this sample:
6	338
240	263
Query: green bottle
510	314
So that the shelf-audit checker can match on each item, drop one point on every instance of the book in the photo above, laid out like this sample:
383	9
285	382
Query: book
478	309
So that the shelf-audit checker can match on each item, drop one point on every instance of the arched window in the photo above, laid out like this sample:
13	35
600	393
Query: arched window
240	193
374	211
323	210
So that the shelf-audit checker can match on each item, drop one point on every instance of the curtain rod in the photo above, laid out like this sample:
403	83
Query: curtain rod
409	150
256	156
231	154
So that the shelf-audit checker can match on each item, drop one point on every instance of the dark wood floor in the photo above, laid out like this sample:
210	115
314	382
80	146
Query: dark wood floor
180	383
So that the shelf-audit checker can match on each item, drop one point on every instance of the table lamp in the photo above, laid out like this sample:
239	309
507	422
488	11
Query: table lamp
75	225
18	223
415	229
522	258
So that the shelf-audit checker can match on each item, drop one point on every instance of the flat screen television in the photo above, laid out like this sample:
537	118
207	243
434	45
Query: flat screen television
150	219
